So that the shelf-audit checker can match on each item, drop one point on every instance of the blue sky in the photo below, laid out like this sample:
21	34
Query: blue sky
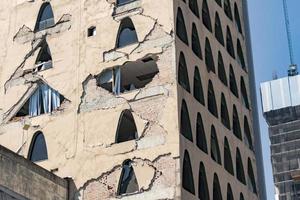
270	54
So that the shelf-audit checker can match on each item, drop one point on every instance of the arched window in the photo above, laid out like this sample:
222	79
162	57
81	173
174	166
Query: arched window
236	127
228	165
206	16
185	123
224	112
45	18
209	60
240	167
218	29
237	18
240	54
214	146
242	196
200	134
38	148
244	94
128	183
211	100
221	69
196	47
203	191
219	2
183	77
247	134
232	82
198	90
227	9
44	59
229	192
217	194
180	27
123	2
194	7
229	43
187	174
251	178
127	34
126	130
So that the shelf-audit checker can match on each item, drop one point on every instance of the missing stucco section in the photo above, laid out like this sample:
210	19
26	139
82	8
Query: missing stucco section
155	178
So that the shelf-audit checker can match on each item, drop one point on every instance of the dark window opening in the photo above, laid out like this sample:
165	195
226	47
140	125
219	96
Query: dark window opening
206	16
209	60
128	183
221	70
200	134
91	31
214	146
247	134
196	47
240	54
237	18
232	82
203	191
126	130
236	127
185	123
187	174
229	192
123	2
127	34
38	148
245	100
242	196
194	7
219	2
211	100
228	164
251	178
218	30
229	43
45	18
239	167
44	58
217	194
180	27
227	9
131	76
198	90
224	112
183	77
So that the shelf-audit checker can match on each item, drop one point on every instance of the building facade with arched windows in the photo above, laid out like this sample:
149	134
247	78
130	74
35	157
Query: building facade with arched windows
132	99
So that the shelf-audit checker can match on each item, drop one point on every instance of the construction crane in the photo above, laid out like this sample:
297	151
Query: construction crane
292	71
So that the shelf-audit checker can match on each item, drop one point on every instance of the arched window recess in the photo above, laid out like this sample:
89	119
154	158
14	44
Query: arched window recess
38	148
45	18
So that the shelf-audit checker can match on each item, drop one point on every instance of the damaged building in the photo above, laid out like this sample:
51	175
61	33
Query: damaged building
128	99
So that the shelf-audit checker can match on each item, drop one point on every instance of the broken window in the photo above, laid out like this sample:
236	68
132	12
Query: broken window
183	77
229	43
123	2
127	34
203	191
126	127
229	192
196	47
217	194
228	165
214	146
45	18
211	100
194	7
200	134
128	183
236	127
247	134
38	148
187	174
240	54
221	70
185	123
218	30
232	82
251	178
91	31
198	90
206	16
43	100
180	27
227	9
245	100
209	60
237	18
44	59
130	76
224	112
239	167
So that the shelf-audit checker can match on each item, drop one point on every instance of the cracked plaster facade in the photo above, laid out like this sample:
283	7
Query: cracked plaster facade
80	136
